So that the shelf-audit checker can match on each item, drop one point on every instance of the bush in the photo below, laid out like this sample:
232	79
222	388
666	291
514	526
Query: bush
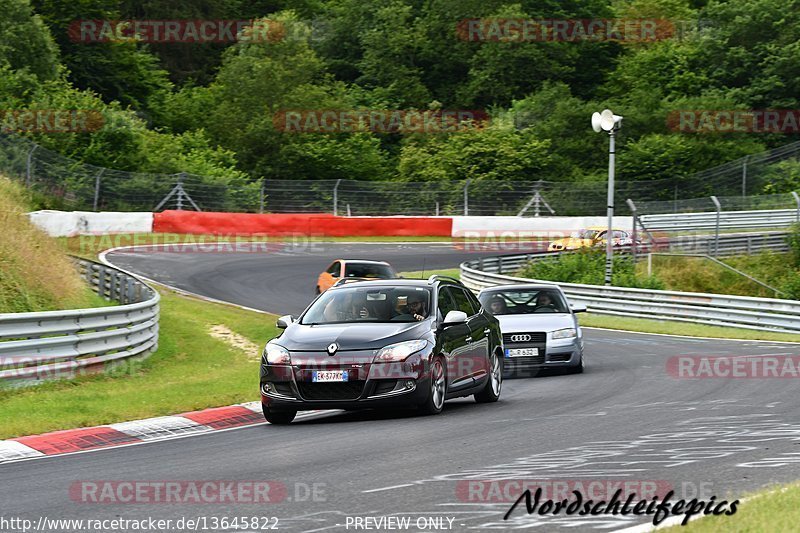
793	240
588	266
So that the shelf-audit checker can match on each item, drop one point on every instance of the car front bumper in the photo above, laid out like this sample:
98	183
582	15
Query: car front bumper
556	353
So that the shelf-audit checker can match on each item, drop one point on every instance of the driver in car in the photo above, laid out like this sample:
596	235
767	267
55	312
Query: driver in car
497	306
415	306
544	303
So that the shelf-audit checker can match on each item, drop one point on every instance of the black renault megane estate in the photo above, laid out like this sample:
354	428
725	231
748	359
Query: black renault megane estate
383	343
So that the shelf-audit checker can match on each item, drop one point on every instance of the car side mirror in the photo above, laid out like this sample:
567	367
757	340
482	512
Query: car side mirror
453	318
578	308
284	321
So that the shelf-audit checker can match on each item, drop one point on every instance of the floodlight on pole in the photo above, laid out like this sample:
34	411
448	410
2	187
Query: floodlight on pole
609	122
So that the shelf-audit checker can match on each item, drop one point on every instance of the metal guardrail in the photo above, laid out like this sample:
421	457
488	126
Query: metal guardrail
773	218
48	345
726	245
713	309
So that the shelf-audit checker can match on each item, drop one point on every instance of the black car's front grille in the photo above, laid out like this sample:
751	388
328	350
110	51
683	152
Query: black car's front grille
385	385
347	390
525	338
284	388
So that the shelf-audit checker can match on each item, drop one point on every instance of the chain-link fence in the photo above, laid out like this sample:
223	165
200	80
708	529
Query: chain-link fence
72	185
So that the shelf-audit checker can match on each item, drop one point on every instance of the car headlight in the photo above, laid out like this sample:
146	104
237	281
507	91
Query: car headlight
275	354
566	333
401	351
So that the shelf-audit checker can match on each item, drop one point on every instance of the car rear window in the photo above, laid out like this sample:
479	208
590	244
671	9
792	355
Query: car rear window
366	270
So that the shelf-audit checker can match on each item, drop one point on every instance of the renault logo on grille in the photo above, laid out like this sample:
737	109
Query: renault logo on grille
520	338
332	347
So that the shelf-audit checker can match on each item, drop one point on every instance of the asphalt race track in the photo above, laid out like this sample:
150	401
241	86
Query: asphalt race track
624	420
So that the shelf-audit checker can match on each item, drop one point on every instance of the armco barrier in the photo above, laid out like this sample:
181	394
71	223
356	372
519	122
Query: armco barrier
305	224
713	309
773	218
61	344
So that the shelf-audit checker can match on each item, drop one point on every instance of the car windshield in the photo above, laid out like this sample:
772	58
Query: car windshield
587	234
369	304
524	301
368	270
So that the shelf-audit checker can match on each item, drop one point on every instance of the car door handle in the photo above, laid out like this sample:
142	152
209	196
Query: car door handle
487	331
469	340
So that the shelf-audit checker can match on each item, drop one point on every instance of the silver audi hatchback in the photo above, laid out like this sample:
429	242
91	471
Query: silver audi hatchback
539	326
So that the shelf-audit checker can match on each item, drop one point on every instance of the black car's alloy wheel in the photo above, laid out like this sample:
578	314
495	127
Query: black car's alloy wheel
438	386
491	392
278	417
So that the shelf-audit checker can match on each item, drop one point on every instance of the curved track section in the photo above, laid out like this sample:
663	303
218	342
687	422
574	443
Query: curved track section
625	420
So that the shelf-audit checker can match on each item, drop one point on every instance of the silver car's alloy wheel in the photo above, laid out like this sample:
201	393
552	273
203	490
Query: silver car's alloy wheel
437	384
497	375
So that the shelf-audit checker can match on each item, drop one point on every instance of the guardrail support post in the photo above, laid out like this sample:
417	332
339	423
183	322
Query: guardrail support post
718	207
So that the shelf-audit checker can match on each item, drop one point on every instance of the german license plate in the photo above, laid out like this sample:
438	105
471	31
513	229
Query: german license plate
328	376
522	352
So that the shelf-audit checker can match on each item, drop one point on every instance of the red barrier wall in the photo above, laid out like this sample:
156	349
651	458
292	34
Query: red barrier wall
296	223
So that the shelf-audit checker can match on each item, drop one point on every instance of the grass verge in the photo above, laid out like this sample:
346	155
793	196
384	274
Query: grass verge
34	274
191	370
769	511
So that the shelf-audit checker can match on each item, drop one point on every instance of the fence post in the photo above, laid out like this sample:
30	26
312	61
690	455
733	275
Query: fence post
437	208
179	200
336	198
466	197
632	207
744	176
797	201
716	225
28	169
261	197
649	264
97	189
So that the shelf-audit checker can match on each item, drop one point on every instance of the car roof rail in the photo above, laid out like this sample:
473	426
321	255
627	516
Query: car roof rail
435	277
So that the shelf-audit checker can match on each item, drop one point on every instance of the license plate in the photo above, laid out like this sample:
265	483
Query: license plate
327	376
522	352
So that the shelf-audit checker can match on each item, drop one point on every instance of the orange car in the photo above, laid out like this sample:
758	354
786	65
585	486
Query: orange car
354	269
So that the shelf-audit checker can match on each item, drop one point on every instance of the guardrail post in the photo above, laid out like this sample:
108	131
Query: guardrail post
101	281
797	201
718	206
500	265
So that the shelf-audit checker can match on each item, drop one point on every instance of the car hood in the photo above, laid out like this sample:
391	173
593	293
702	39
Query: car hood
535	322
367	336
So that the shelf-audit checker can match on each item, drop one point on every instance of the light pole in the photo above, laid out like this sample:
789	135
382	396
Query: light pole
608	121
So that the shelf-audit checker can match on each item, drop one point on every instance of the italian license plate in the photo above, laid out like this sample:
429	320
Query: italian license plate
328	376
522	352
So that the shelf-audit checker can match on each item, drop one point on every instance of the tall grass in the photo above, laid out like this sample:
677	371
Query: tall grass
35	275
